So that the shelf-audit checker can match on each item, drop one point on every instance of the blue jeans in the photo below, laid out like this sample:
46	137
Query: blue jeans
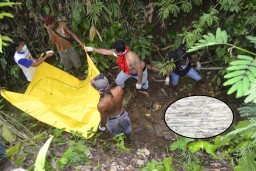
191	73
122	77
119	125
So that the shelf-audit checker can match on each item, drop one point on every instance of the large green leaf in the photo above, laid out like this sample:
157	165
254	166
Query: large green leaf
7	135
12	151
40	159
208	147
181	144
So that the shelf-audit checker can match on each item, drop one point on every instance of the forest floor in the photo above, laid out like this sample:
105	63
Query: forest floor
151	136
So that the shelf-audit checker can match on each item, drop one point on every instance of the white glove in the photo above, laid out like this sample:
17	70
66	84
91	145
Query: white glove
167	80
89	49
198	65
138	86
49	51
102	128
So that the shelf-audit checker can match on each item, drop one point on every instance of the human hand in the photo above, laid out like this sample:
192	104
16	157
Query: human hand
102	128
167	81
89	49
138	86
1	90
49	53
198	65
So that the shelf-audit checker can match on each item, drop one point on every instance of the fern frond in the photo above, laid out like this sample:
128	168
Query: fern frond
220	38
197	2
166	8
247	110
252	125
190	38
247	162
242	76
251	94
251	38
186	6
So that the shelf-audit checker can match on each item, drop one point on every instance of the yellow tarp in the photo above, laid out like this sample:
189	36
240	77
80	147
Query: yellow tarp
59	99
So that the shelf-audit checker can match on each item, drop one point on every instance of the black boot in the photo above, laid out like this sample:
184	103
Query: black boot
128	138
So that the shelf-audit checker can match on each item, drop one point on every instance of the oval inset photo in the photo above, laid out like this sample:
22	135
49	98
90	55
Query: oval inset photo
199	117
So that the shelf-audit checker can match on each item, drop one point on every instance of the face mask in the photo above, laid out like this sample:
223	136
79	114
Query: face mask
24	48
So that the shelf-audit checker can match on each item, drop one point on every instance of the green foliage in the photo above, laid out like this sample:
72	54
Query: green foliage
12	151
208	147
77	152
190	38
5	39
210	40
119	138
245	129
57	132
251	94
197	2
181	144
164	165
165	67
6	133
247	110
207	20
93	140
242	71
247	162
167	7
186	6
241	75
231	5
76	135
96	12
40	159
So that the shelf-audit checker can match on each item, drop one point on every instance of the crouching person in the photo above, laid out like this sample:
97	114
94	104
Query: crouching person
112	112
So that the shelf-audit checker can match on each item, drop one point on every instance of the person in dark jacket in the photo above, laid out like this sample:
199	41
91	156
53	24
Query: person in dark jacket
182	61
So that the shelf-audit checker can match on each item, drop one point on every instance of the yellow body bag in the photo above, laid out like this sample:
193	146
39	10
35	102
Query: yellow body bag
60	100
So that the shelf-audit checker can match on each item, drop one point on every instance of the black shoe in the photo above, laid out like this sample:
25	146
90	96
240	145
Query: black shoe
128	138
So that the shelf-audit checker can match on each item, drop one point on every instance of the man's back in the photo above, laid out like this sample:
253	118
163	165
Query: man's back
112	105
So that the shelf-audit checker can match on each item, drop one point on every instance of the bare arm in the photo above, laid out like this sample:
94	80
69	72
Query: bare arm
41	60
73	35
103	115
103	51
51	37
